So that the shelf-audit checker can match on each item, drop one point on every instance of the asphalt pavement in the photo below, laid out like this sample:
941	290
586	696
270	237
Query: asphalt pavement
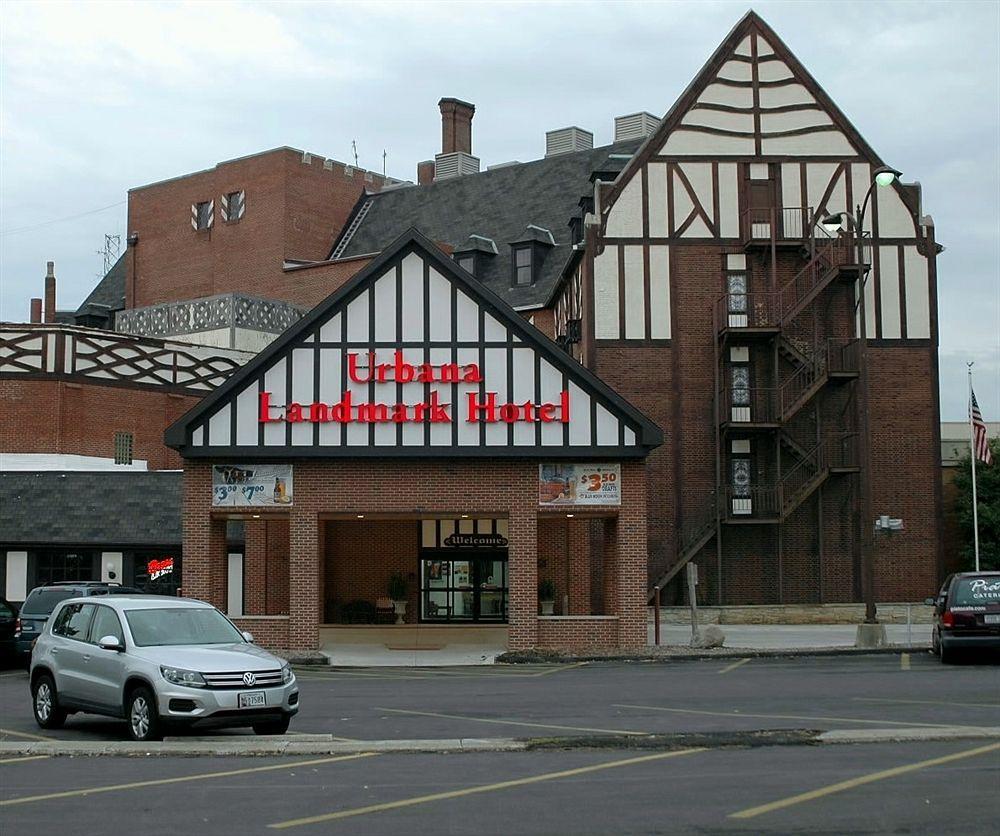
909	690
930	788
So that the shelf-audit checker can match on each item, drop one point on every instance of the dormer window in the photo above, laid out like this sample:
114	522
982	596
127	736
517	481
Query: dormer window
475	254
523	266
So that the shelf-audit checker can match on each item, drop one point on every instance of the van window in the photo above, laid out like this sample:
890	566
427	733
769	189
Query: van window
975	592
43	600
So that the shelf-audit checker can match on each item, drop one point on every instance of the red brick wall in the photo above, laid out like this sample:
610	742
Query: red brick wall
267	632
361	556
672	384
294	210
479	488
577	633
53	416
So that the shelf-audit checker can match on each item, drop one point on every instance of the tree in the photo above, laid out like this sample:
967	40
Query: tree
988	492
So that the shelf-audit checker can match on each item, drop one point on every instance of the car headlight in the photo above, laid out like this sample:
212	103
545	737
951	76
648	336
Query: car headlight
179	676
286	674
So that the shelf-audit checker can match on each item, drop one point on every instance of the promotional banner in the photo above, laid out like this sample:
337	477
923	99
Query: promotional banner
579	484
255	485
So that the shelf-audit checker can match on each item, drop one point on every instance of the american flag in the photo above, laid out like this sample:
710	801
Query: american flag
979	437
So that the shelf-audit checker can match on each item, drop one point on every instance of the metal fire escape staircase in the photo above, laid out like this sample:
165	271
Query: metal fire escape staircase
814	366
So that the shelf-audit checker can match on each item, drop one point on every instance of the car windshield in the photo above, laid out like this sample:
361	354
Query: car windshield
976	592
181	625
43	600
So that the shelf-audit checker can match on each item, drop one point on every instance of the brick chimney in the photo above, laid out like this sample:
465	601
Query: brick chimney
456	125
50	292
425	172
36	310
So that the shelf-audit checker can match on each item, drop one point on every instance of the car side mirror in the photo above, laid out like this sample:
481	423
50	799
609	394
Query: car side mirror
111	643
248	636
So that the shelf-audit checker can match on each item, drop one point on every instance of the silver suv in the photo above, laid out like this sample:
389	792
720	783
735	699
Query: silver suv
157	662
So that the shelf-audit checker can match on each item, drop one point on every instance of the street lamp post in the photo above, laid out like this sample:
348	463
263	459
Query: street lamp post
882	176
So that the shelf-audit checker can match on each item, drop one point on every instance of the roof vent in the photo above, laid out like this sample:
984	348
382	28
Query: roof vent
566	140
456	164
635	125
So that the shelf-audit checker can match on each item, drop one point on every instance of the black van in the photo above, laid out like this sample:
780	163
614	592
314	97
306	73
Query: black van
38	606
967	614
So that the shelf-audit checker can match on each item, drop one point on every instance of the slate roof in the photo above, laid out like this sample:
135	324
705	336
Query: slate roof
110	290
497	204
131	508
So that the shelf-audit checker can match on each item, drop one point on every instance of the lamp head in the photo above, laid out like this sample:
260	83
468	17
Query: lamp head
833	223
884	175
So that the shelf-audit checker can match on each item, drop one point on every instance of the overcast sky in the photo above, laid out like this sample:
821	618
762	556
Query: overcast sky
99	97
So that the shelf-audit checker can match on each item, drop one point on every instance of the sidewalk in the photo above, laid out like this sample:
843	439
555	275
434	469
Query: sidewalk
793	636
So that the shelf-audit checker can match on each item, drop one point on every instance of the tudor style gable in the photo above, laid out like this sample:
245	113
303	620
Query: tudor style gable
753	148
413	358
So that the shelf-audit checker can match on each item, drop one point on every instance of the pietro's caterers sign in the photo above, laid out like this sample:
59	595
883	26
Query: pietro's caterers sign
475	408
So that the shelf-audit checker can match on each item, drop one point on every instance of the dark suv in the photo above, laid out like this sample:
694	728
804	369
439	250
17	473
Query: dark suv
38	606
967	614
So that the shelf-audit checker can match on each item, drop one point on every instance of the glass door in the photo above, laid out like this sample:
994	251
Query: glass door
471	588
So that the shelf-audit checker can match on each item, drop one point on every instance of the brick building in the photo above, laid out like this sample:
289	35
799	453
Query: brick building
704	266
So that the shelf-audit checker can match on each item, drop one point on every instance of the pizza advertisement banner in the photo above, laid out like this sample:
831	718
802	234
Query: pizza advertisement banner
579	484
252	485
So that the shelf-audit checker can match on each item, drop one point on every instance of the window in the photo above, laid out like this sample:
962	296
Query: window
52	566
123	448
106	623
467	263
181	625
233	206
202	215
73	621
523	272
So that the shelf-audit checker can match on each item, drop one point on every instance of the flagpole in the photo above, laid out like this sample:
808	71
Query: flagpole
972	451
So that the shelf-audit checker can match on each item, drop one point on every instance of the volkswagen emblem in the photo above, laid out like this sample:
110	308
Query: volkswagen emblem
249	678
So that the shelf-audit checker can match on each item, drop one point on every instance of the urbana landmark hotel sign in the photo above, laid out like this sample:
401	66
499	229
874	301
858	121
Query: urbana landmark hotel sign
384	409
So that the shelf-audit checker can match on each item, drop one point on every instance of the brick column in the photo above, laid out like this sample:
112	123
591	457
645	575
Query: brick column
632	553
255	568
303	576
205	570
609	566
578	551
522	568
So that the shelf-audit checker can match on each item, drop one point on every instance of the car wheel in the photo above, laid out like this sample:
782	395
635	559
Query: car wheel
947	656
45	703
272	726
143	719
935	643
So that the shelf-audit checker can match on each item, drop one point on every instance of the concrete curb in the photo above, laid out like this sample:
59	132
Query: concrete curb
320	744
681	653
904	735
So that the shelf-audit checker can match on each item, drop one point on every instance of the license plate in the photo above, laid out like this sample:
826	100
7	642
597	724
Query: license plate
991	619
251	699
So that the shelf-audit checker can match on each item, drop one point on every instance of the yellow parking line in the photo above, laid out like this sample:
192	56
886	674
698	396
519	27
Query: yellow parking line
28	799
930	702
498	722
502	785
857	782
25	735
25	758
557	669
904	661
734	665
740	714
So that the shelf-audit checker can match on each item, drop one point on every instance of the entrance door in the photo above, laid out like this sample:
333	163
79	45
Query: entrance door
463	588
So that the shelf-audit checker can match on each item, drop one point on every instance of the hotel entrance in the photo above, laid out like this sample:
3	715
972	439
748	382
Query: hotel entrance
469	588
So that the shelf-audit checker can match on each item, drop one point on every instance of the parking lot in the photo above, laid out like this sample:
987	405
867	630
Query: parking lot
877	691
914	787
